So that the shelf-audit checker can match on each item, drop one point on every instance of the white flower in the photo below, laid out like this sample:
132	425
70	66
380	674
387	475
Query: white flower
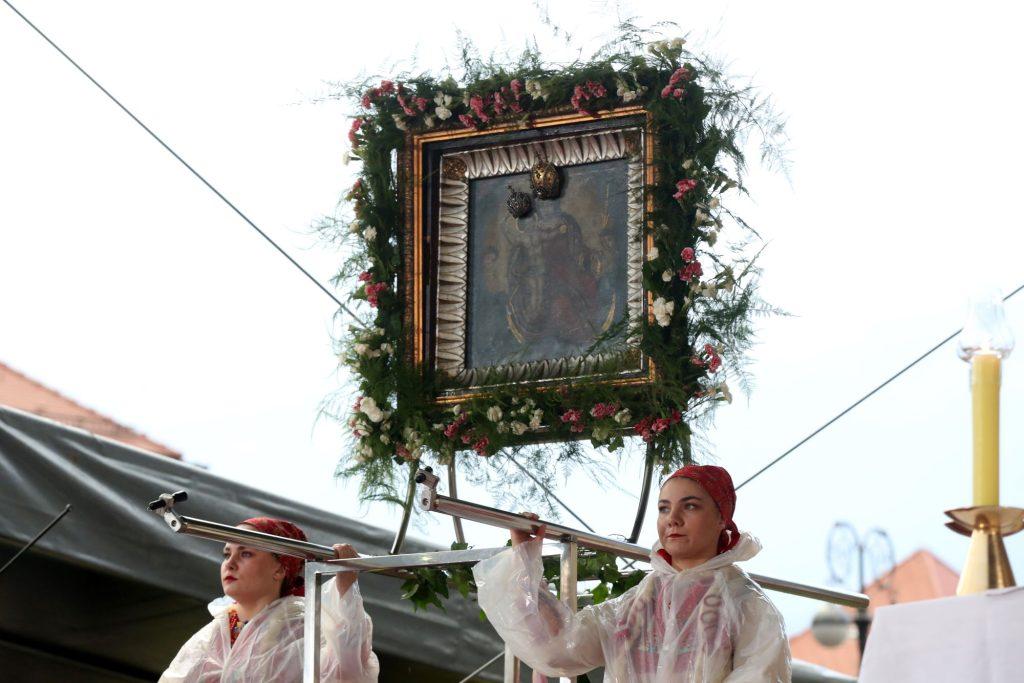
601	433
456	409
443	113
535	90
629	95
530	402
359	428
709	290
623	416
399	122
369	408
676	43
663	311
700	217
712	237
688	164
385	439
442	100
535	419
429	121
387	348
361	349
713	203
666	276
369	233
437	427
652	254
354	227
346	157
515	400
494	413
518	428
503	427
728	284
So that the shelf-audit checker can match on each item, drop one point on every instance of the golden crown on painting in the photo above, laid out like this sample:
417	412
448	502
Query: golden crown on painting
545	179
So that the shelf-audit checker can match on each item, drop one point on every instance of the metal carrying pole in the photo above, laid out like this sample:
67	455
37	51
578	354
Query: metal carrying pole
429	499
214	531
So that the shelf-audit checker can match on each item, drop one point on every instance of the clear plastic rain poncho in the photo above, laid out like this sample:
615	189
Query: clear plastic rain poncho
269	648
707	624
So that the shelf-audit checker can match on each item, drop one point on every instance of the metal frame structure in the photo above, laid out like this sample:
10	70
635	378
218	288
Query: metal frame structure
321	564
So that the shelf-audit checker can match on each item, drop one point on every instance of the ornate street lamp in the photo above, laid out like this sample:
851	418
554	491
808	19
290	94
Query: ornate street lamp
831	626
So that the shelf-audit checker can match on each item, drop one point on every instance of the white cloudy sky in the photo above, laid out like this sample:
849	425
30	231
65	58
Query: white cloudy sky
130	287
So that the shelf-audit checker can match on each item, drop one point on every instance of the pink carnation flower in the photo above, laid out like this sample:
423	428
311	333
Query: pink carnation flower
684	186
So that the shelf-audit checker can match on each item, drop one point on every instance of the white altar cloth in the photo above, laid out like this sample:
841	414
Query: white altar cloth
970	639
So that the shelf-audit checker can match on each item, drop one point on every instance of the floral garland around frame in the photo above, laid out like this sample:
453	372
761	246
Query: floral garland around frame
704	290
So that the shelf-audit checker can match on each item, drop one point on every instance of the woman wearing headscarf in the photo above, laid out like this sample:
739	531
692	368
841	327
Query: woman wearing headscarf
696	617
259	636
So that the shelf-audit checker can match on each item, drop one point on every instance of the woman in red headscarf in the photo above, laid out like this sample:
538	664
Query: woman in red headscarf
696	617
258	636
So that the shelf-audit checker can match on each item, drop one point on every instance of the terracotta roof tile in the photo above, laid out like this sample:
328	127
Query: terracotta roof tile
24	393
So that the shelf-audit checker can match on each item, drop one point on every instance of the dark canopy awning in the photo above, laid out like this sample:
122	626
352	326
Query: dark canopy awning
111	591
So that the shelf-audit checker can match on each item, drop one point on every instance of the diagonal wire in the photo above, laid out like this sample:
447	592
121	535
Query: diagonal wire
244	217
551	493
184	163
66	510
862	399
490	661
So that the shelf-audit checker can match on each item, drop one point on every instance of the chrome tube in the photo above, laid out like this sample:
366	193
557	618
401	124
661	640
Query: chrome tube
311	627
215	531
569	575
460	535
555	532
403	526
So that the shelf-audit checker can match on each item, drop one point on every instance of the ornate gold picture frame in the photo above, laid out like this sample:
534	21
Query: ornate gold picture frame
524	252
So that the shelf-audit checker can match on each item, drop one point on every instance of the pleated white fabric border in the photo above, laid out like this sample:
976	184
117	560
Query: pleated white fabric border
453	249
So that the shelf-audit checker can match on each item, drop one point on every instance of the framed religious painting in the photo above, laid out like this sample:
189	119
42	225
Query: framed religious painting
524	253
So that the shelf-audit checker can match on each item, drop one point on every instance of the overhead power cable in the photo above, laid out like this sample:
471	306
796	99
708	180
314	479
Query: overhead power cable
863	398
184	163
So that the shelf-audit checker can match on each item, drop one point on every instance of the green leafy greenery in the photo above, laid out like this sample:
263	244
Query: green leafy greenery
431	586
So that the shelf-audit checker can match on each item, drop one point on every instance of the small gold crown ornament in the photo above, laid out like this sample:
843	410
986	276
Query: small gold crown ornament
545	179
519	203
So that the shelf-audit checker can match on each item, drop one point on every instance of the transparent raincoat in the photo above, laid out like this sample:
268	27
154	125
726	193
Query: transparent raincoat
269	648
708	624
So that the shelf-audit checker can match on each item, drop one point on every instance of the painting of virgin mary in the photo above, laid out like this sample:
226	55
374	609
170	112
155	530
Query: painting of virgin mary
549	284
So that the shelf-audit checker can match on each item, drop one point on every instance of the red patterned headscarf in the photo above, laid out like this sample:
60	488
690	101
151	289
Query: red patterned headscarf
293	579
718	484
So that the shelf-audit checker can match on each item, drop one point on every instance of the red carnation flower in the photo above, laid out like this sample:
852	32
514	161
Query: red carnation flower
691	271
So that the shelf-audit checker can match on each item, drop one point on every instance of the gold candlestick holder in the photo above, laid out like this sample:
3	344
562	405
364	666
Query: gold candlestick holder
987	565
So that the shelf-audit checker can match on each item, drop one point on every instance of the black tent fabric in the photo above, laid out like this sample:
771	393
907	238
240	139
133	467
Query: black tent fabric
111	588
